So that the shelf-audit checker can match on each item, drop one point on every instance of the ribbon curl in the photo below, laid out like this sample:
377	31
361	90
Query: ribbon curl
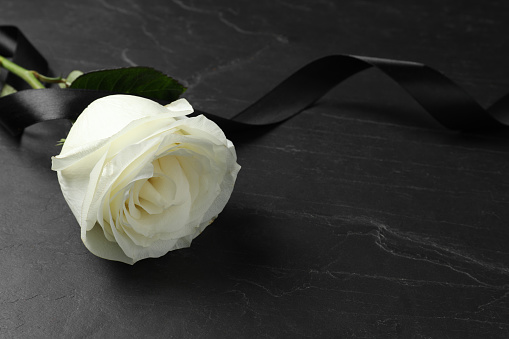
448	103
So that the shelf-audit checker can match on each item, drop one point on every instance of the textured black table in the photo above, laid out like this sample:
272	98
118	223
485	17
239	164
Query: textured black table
361	217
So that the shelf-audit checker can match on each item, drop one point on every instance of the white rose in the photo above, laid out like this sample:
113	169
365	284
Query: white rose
143	179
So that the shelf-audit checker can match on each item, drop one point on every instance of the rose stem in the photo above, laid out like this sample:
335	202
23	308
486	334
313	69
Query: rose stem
29	76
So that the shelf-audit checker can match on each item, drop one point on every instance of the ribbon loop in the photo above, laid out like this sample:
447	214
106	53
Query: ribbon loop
14	45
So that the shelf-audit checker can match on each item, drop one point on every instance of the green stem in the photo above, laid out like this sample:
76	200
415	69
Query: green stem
49	80
23	73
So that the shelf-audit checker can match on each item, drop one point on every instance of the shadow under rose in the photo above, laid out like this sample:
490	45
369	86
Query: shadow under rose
234	243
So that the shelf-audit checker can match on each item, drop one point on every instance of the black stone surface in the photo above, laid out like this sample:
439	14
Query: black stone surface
359	218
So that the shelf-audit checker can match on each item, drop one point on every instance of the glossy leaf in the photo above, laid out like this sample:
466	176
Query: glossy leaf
142	81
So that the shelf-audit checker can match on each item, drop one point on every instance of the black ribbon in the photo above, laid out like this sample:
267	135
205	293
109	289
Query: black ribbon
438	95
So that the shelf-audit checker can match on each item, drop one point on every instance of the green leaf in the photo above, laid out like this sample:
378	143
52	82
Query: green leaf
142	81
70	78
6	90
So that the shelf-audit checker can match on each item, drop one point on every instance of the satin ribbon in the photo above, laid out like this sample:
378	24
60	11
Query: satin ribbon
438	95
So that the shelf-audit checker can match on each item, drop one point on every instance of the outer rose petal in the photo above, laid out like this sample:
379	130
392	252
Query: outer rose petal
97	124
111	144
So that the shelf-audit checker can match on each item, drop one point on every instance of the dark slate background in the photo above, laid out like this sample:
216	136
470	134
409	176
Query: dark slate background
361	217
